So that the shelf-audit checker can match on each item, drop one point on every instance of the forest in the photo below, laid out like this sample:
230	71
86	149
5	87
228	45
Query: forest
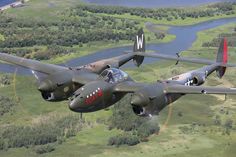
159	14
85	24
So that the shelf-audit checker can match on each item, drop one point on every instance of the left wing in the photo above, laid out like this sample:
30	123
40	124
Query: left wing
181	89
32	64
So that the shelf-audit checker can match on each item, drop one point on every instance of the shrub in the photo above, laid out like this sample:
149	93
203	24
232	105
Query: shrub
6	105
5	80
42	133
148	128
44	149
228	124
123	116
124	139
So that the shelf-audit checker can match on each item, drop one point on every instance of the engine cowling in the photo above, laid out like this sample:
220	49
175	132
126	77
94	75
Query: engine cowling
198	79
53	96
57	87
149	101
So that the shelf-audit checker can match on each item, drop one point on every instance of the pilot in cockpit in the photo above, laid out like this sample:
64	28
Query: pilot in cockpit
110	76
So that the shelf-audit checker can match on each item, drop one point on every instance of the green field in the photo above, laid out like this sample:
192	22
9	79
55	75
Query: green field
192	134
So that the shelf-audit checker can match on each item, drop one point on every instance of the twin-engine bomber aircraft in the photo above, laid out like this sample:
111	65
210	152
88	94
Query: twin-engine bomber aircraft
100	84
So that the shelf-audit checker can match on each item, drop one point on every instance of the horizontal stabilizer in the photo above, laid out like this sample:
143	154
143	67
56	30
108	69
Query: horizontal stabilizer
183	59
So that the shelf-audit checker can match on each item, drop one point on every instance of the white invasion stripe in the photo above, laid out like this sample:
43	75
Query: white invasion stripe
33	72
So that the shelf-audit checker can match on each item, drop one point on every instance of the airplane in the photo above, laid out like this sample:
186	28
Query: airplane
100	84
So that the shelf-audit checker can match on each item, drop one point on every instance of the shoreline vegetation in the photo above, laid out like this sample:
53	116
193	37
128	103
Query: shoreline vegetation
16	4
75	29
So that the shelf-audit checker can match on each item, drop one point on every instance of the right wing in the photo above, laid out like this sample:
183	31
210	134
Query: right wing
181	89
32	64
131	87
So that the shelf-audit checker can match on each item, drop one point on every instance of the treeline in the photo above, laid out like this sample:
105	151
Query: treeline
50	131
159	14
136	129
231	38
20	35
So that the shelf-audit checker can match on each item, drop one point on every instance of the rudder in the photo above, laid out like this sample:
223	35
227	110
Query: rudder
222	57
139	46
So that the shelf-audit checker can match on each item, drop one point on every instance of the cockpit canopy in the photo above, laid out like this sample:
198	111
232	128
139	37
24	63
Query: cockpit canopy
113	75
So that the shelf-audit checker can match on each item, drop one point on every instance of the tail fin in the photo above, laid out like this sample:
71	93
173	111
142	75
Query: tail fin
222	57
139	46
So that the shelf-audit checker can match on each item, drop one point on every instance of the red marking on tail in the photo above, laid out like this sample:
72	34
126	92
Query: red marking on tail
225	51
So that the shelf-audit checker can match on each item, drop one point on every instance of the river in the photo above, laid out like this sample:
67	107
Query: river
185	36
155	3
6	2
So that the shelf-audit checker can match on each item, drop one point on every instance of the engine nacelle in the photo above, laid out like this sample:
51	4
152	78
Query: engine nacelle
198	79
149	101
54	96
57	87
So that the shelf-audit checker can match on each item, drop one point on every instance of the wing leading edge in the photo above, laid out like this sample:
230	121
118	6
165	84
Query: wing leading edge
131	87
181	89
32	64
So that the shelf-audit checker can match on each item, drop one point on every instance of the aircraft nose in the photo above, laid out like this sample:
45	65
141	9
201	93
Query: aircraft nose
73	105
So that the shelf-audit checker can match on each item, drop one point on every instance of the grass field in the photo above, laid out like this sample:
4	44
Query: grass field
202	139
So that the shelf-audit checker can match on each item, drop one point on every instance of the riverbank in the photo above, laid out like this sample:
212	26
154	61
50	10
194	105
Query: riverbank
16	4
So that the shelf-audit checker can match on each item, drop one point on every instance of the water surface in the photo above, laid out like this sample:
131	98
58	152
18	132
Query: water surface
6	2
